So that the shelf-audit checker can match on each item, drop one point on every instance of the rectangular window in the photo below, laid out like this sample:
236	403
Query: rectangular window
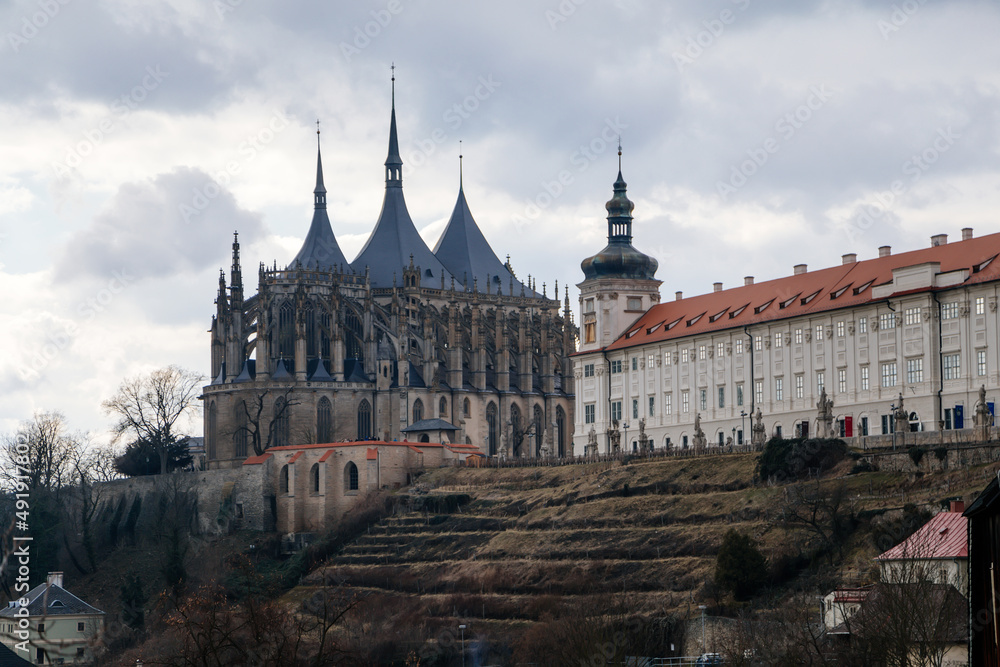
911	316
79	626
885	423
652	406
588	414
589	332
947	419
668	404
616	365
800	386
616	411
862	325
981	362
779	339
798	336
739	394
722	397
758	343
914	371
864	378
887	321
949	311
758	391
842	380
635	363
864	426
980	305
650	360
685	355
820	381
952	370
819	332
720	350
685	401
635	408
702	354
668	358
703	399
889	374
633	303
739	346
840	329
589	305
779	389
588	370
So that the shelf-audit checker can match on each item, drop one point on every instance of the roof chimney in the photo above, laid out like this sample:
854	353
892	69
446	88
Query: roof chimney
966	233
678	296
716	287
849	258
799	269
957	505
939	239
748	281
55	579
884	250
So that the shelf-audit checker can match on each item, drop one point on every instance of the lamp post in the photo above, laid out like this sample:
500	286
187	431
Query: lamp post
743	424
734	436
625	447
892	423
703	607
462	629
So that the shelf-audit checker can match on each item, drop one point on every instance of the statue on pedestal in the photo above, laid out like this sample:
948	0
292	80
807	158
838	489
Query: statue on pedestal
825	415
591	448
902	417
982	417
699	435
758	434
643	440
616	437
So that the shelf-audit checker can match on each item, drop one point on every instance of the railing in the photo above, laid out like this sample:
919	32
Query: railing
673	452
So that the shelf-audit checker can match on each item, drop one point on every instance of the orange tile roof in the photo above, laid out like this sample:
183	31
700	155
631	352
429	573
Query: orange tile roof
944	536
811	292
300	449
373	454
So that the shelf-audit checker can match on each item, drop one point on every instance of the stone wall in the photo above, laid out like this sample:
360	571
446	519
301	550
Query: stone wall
959	456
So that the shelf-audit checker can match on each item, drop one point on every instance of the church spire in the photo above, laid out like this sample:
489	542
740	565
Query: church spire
393	163
320	191
236	276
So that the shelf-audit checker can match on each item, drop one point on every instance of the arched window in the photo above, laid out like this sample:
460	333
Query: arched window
240	432
213	417
424	438
283	480
560	431
280	422
350	477
286	331
314	478
364	420
442	408
492	428
324	420
466	408
310	321
539	429
516	435
418	410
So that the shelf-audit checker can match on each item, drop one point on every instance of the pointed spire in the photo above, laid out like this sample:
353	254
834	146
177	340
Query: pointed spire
393	163
620	207
236	275
459	165
320	191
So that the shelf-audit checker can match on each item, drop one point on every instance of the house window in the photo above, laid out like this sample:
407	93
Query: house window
758	343
819	332
634	303
635	363
981	362
652	406
650	360
798	336
862	325
589	332
949	311
911	316
41	628
588	414
685	401
635	408
980	305
840	329
739	394
720	350
820	381
722	397
668	358
588	370
864	378
616	366
703	399
914	371
887	321
283	480
800	386
350	477
739	346
952	370
589	305
889	374
779	339
864	426
616	411
702	354
758	391
842	380
779	389
685	355
668	404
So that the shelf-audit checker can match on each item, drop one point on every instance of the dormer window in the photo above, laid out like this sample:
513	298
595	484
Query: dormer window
761	308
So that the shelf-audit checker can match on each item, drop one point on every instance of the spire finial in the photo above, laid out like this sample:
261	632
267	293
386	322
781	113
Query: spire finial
619	153
393	68
459	164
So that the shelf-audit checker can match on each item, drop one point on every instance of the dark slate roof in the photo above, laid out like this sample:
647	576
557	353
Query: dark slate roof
8	658
248	373
354	371
57	601
430	425
619	259
320	250
467	254
280	371
317	371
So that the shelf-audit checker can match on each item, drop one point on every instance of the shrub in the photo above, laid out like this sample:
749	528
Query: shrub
862	466
740	567
789	459
941	453
917	455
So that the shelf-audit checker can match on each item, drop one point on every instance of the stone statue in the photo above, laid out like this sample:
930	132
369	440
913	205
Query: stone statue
643	440
758	434
504	453
616	437
982	417
699	435
591	449
902	417
825	415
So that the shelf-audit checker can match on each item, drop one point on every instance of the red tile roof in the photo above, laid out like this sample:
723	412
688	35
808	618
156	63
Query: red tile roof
807	293
944	536
254	460
373	454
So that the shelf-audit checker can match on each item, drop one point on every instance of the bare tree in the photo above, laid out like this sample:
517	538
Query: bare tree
260	432
826	513
147	407
41	452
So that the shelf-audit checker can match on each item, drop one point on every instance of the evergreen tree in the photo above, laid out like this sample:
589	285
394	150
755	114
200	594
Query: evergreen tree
740	567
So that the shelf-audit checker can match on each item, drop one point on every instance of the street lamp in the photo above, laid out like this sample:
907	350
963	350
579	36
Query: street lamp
625	425
892	423
733	441
462	628
743	424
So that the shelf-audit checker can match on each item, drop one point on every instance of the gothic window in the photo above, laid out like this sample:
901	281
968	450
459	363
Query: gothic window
314	478
310	318
324	420
240	434
466	408
539	430
324	335
516	436
212	424
286	331
560	432
418	410
354	337
350	477
364	420
283	480
492	428
280	422
442	408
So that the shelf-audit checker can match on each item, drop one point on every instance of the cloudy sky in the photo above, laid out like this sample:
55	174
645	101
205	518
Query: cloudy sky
137	135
